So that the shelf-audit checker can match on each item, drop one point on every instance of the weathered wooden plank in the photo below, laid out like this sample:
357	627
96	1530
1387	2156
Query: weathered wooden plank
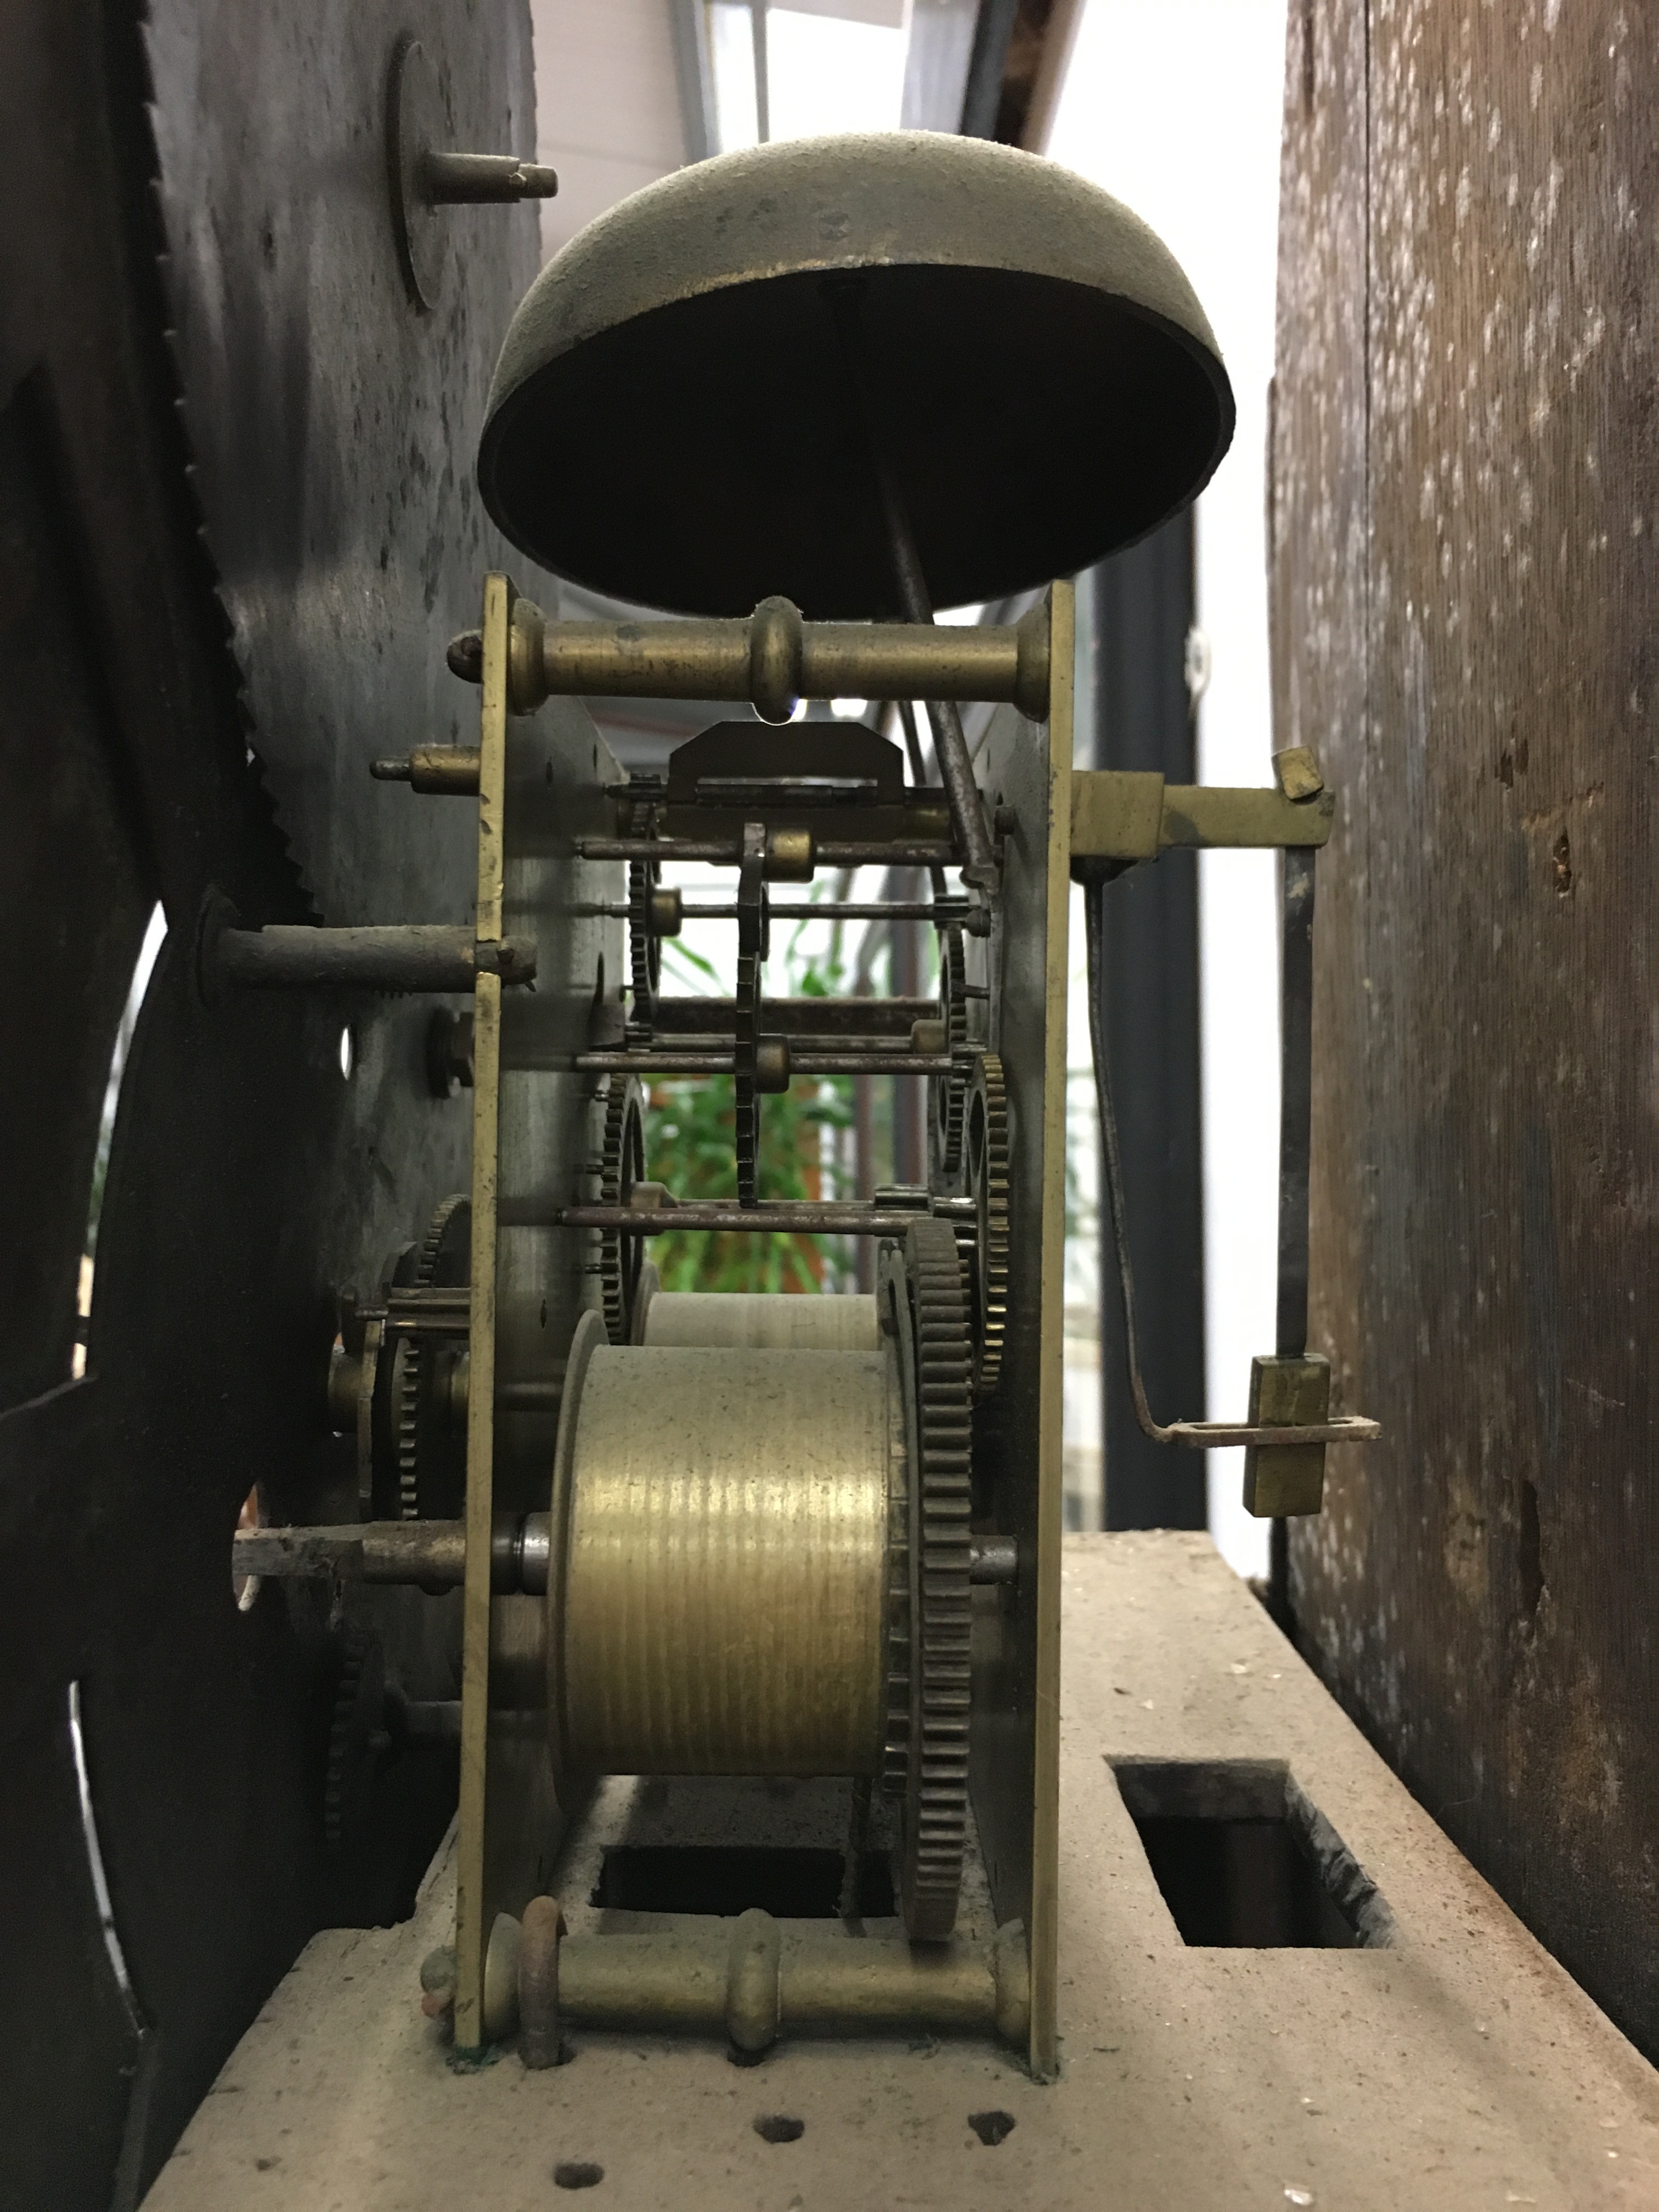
1466	492
1319	583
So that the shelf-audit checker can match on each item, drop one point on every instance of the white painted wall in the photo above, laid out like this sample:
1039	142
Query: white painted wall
607	105
1173	105
833	66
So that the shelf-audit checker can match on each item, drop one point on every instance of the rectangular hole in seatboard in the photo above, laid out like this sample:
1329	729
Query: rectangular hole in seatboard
1245	1860
789	1882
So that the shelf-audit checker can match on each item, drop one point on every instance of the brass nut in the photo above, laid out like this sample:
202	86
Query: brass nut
1297	772
1031	662
526	658
772	1064
791	856
775	646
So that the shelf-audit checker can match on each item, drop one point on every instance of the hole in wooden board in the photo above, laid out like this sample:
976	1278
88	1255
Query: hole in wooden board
791	1883
779	2127
992	2128
1245	1860
577	2173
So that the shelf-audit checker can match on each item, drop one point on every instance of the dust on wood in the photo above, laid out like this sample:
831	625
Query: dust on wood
1463	499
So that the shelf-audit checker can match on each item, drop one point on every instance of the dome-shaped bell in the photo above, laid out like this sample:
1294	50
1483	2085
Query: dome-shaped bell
676	417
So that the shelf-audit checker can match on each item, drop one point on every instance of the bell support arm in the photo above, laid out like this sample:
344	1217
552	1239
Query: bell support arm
1119	818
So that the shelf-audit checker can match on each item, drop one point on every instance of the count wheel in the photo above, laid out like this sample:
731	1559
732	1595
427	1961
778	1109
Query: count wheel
928	1717
986	1148
622	1165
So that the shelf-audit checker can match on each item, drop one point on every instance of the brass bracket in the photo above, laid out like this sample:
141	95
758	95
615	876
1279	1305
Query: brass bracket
774	658
1118	819
1126	815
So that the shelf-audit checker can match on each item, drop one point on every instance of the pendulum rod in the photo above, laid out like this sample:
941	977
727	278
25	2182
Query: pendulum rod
1094	915
1295	1098
955	766
955	762
1296	1093
913	750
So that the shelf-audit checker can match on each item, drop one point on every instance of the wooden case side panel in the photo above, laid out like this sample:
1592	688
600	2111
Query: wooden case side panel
1466	483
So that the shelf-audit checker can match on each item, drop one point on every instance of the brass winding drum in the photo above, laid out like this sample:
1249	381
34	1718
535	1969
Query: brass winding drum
758	1557
779	1321
717	1589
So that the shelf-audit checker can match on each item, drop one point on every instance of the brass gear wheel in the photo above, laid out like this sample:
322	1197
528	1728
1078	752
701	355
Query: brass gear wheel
753	932
986	1152
644	950
950	1092
622	1164
931	1688
449	1226
356	1735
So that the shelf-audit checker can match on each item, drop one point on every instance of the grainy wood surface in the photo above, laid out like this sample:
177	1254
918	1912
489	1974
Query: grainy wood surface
1464	497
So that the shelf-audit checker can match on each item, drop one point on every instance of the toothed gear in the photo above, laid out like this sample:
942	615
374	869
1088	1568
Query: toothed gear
892	1304
752	933
961	1216
899	1198
895	1748
644	947
950	1092
986	1156
410	1365
356	1732
936	1735
210	109
620	1166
